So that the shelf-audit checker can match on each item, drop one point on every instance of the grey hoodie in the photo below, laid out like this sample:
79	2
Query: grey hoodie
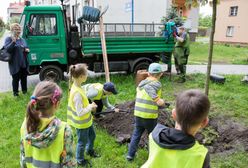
151	87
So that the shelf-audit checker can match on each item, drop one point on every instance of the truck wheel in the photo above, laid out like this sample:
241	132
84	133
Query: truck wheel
51	72
140	66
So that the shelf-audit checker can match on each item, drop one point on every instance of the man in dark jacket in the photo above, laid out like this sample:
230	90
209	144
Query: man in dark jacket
18	66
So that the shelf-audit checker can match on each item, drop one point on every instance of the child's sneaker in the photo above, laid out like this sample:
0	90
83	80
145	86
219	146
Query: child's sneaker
93	154
129	158
84	163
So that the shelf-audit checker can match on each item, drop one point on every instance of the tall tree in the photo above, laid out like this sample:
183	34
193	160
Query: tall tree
211	40
172	13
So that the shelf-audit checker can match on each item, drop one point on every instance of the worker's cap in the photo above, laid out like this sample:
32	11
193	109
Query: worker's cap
154	68
110	87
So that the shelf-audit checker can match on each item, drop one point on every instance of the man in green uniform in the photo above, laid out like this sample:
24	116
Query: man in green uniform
181	52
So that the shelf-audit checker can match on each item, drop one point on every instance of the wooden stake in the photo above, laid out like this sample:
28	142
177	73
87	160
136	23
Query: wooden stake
104	50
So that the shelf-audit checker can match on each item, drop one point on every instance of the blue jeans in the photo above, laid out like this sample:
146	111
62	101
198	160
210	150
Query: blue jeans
86	138
141	125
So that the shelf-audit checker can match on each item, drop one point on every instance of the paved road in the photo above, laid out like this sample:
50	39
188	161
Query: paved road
5	78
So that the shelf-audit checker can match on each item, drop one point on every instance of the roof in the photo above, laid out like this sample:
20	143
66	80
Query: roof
16	8
16	5
43	8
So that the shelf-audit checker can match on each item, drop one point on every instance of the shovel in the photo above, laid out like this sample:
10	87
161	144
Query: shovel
111	111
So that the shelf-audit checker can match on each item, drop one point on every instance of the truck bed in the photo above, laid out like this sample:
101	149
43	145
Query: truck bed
126	45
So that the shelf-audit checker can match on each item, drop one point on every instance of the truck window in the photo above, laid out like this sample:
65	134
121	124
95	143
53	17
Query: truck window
43	24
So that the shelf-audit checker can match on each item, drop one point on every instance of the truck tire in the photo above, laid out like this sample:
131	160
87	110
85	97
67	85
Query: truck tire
140	66
51	72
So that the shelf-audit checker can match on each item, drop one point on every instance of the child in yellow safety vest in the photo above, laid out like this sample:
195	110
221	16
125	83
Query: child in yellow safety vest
177	147
46	141
98	93
79	115
148	99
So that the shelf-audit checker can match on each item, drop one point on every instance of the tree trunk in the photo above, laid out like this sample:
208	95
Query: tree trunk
211	45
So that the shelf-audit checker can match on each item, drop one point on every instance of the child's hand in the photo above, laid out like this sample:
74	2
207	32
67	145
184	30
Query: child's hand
160	102
117	110
93	106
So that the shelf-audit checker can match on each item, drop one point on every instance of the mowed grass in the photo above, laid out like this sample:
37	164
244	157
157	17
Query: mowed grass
222	54
229	99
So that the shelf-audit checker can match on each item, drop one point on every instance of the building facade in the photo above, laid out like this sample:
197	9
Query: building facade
131	11
45	2
15	9
231	22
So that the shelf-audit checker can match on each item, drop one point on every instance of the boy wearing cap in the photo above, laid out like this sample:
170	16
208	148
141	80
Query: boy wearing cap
177	147
98	93
181	52
148	99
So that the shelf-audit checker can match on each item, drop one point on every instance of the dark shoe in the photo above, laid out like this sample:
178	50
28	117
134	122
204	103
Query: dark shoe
16	94
24	92
84	163
182	80
93	154
129	158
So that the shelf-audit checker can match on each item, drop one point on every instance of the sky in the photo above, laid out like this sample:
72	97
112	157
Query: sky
205	10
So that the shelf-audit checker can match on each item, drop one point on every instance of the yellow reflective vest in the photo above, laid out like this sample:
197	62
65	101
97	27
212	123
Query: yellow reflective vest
98	87
73	119
44	157
145	107
169	158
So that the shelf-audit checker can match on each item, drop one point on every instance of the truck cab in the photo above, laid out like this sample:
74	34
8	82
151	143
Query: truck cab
44	31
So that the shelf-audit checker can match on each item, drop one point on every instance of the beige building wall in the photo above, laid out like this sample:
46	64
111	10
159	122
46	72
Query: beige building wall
239	22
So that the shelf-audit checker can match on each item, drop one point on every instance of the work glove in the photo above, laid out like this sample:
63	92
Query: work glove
174	34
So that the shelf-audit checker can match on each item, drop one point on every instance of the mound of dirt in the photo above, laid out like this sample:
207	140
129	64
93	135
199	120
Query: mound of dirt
221	135
229	136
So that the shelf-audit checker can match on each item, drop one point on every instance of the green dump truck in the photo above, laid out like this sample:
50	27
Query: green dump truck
55	45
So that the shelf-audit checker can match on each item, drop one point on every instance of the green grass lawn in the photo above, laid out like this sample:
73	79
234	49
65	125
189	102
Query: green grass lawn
223	54
229	100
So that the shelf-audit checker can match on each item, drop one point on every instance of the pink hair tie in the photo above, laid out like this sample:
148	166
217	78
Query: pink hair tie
33	101
56	96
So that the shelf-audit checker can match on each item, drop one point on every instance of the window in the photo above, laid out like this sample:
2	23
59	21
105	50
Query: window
233	11
229	32
87	3
43	25
181	12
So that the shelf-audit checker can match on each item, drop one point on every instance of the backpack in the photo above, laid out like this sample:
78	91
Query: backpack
170	28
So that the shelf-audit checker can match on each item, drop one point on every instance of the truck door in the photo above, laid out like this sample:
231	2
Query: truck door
46	39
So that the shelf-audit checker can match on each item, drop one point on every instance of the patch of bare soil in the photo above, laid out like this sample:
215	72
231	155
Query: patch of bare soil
222	134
